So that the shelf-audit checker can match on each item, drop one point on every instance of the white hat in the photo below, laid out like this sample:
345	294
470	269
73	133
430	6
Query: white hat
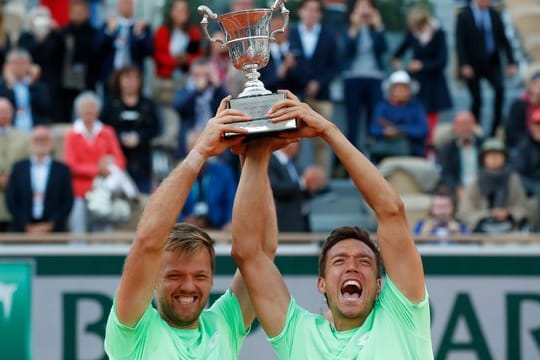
401	77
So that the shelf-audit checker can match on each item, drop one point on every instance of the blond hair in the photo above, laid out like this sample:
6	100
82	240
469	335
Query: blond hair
189	239
418	16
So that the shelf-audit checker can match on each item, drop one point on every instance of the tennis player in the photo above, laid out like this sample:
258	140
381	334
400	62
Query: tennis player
371	319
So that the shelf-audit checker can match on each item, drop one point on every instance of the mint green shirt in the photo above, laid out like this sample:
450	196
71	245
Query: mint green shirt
395	329
219	335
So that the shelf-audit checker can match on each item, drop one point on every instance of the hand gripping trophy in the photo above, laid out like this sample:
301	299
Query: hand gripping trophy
247	36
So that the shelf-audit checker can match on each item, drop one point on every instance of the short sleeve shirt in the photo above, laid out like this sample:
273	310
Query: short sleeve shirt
395	329
219	335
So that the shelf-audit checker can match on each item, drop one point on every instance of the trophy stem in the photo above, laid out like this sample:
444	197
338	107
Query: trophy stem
254	86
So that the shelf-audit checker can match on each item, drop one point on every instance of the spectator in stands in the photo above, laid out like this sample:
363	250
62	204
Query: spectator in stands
275	74
495	202
293	188
458	159
123	41
427	41
134	117
14	146
90	149
522	111
21	85
526	161
44	42
39	194
440	221
80	64
176	45
198	100
210	201
480	38
399	126
313	45
364	48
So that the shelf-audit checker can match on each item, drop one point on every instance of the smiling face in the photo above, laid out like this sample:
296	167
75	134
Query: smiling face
184	285
350	282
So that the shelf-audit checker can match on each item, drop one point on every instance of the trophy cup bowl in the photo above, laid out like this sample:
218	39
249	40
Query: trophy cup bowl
247	37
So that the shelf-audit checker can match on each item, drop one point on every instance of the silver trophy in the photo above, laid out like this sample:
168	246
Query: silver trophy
247	36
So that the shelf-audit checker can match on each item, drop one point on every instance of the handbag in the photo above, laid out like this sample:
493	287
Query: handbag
105	206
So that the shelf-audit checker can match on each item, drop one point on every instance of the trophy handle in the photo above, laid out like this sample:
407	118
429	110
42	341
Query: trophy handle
285	12
205	10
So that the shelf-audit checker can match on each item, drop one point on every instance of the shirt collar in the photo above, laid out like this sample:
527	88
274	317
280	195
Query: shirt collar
79	128
46	160
282	158
316	29
122	21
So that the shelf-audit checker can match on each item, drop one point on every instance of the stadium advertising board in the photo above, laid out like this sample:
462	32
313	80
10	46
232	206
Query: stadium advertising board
485	305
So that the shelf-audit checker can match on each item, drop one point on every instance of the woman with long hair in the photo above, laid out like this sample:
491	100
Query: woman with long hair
176	45
134	117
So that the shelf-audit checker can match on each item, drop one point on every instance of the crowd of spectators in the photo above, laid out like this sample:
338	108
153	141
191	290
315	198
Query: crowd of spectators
77	66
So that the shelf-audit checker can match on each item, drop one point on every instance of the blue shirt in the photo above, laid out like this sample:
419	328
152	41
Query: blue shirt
216	188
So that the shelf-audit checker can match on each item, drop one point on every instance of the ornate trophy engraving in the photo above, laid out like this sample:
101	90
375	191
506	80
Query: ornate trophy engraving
247	36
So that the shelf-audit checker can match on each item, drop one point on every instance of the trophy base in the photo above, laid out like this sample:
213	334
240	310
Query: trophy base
257	107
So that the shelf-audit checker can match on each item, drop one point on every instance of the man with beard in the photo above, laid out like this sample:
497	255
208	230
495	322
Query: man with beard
370	320
177	262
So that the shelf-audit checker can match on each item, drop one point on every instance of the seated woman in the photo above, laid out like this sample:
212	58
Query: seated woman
495	202
91	149
399	125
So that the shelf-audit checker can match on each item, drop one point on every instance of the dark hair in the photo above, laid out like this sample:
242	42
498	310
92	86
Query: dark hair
189	239
304	2
168	21
344	233
442	190
114	80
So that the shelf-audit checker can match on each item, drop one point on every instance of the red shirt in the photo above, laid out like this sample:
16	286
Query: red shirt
165	62
82	155
59	10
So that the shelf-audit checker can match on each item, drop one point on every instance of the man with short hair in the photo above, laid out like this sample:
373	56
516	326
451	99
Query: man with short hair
370	320
313	45
480	40
123	40
39	194
177	263
459	157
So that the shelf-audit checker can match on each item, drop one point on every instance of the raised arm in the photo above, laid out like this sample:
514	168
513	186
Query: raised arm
254	219
269	247
142	264
400	257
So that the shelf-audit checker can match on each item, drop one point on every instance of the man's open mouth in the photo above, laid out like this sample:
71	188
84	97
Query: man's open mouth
351	290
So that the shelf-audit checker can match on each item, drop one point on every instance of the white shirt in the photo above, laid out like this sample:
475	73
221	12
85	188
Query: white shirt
309	38
291	169
469	163
39	175
80	128
178	43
